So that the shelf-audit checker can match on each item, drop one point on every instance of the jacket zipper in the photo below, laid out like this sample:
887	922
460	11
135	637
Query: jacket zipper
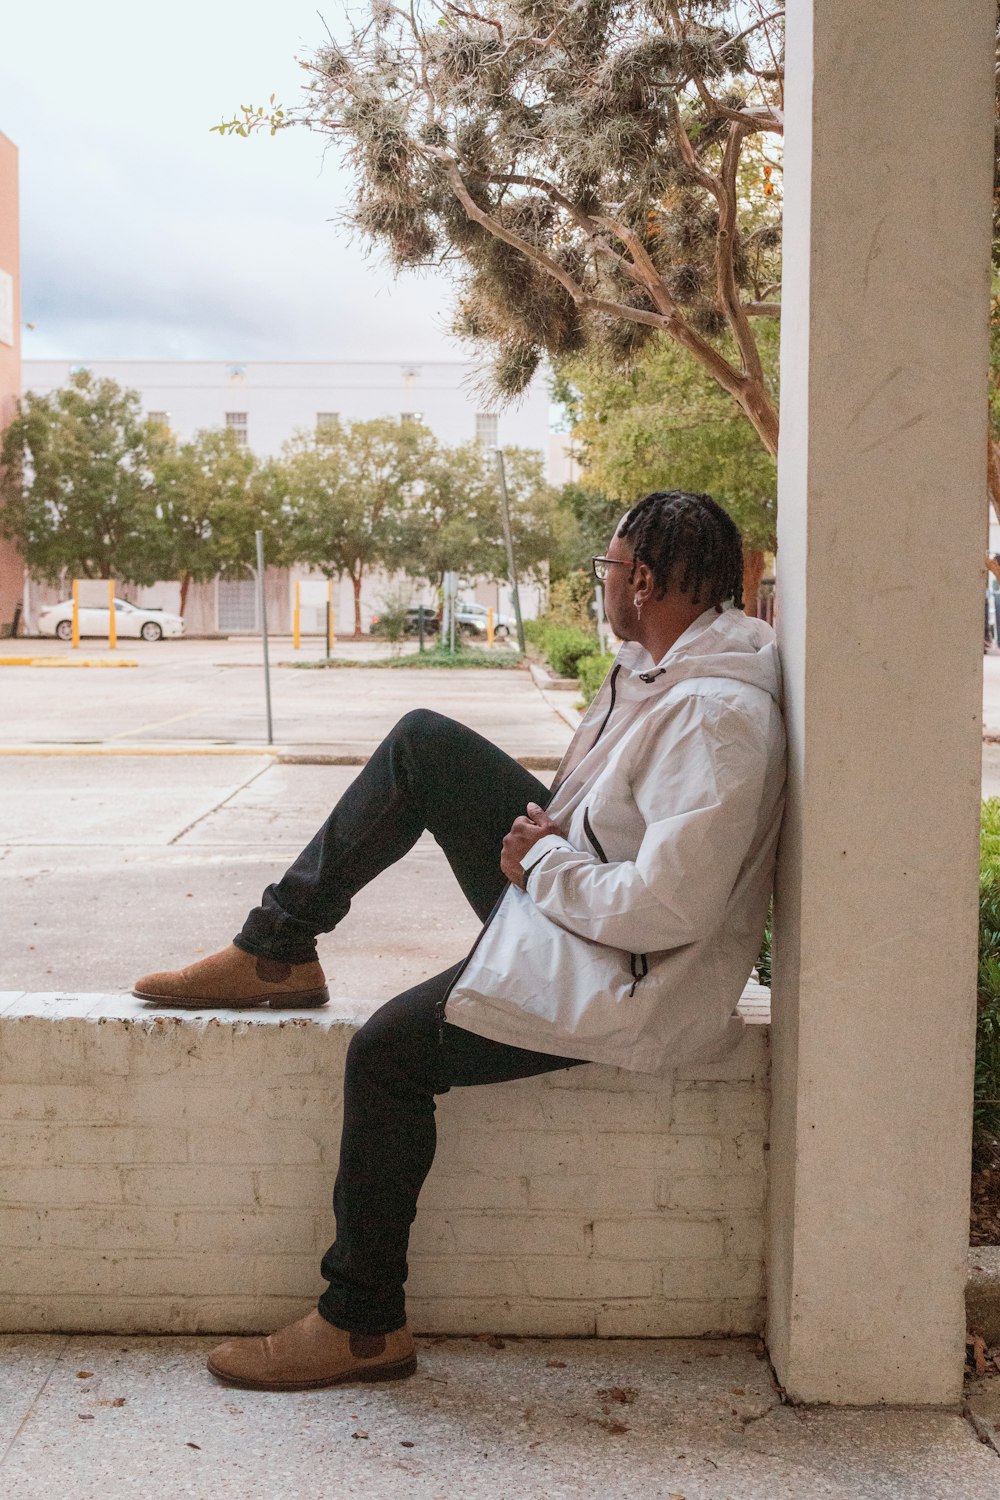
637	962
442	1003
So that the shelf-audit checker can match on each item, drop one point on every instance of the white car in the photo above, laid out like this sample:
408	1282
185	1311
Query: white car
150	624
473	619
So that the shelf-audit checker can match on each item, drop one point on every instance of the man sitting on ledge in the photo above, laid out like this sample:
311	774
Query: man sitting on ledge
622	912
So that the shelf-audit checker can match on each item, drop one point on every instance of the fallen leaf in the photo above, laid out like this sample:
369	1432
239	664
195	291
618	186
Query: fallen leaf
609	1424
495	1341
404	1444
115	1401
85	1416
555	1364
978	1345
359	1434
737	1390
193	1445
84	1374
623	1394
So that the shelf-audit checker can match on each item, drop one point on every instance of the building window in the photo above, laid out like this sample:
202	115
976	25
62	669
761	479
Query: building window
237	604
236	422
486	429
326	421
411	416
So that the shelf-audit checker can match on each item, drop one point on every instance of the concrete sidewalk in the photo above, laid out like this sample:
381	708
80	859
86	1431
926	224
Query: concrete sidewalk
513	1419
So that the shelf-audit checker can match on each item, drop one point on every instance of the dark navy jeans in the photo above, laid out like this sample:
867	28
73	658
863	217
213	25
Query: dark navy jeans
435	774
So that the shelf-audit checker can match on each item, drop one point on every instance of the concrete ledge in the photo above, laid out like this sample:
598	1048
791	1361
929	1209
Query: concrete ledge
171	1172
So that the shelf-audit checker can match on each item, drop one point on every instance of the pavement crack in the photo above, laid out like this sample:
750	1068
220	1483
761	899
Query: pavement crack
211	811
983	1430
56	1361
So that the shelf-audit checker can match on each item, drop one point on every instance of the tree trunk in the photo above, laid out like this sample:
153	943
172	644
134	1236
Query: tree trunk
356	582
185	585
753	572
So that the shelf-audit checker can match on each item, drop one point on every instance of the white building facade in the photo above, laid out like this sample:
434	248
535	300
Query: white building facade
265	403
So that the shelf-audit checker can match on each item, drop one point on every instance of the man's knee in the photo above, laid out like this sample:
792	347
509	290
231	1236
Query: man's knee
382	1045
422	724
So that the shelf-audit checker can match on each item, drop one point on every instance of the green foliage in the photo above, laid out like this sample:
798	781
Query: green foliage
211	501
393	616
666	424
343	493
576	168
986	1106
591	671
437	656
571	600
79	484
454	517
564	646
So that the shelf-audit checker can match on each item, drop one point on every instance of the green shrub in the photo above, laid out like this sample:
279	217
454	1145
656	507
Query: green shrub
986	1099
570	601
535	632
591	671
564	646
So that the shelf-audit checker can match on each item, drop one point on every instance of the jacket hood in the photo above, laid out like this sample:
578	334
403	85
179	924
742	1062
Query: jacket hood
731	645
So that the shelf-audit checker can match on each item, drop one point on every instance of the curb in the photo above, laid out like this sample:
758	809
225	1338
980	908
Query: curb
284	755
64	661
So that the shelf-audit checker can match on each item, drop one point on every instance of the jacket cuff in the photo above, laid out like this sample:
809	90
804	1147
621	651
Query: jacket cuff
538	851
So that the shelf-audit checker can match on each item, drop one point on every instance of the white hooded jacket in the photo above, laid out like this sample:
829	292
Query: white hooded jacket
637	931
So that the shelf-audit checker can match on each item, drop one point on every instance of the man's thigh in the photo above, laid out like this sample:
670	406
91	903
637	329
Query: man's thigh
472	792
403	1039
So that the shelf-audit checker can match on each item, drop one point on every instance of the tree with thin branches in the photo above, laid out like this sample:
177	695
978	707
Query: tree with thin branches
597	175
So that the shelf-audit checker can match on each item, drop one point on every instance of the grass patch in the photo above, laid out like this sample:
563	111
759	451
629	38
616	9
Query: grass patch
420	661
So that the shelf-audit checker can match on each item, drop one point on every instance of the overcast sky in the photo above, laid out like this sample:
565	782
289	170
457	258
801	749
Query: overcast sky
145	236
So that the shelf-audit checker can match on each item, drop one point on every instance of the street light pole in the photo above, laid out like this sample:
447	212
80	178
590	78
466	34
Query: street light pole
509	543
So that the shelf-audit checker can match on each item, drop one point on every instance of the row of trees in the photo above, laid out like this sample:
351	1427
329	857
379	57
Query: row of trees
93	489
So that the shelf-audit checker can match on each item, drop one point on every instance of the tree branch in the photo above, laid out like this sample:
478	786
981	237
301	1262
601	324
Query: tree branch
755	119
729	294
579	295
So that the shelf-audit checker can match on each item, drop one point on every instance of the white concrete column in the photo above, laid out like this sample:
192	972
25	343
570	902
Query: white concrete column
882	529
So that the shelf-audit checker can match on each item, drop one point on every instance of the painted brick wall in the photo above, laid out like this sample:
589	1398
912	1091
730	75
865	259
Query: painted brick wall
163	1172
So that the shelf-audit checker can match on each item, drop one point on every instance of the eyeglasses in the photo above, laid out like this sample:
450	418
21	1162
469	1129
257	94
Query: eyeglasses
602	564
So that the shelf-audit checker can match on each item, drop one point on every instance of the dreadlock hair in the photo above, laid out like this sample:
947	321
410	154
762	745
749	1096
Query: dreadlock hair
689	544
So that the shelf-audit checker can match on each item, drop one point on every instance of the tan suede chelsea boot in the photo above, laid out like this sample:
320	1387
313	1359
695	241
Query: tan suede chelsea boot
234	980
312	1353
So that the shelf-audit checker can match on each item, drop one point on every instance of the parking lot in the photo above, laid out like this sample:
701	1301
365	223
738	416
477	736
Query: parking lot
145	814
206	693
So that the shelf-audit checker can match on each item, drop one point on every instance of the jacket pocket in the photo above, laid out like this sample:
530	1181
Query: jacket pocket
637	962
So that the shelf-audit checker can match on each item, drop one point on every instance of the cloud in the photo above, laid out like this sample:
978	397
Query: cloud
144	235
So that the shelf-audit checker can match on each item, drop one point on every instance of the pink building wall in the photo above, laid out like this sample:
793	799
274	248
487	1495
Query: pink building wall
11	566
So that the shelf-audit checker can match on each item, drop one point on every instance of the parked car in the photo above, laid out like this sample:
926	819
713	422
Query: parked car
472	619
131	622
412	625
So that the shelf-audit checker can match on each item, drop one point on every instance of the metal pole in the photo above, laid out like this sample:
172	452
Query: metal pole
329	606
601	628
262	612
454	606
509	542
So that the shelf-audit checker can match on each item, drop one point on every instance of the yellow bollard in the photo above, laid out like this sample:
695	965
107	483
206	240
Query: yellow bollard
489	627
112	622
296	637
76	615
